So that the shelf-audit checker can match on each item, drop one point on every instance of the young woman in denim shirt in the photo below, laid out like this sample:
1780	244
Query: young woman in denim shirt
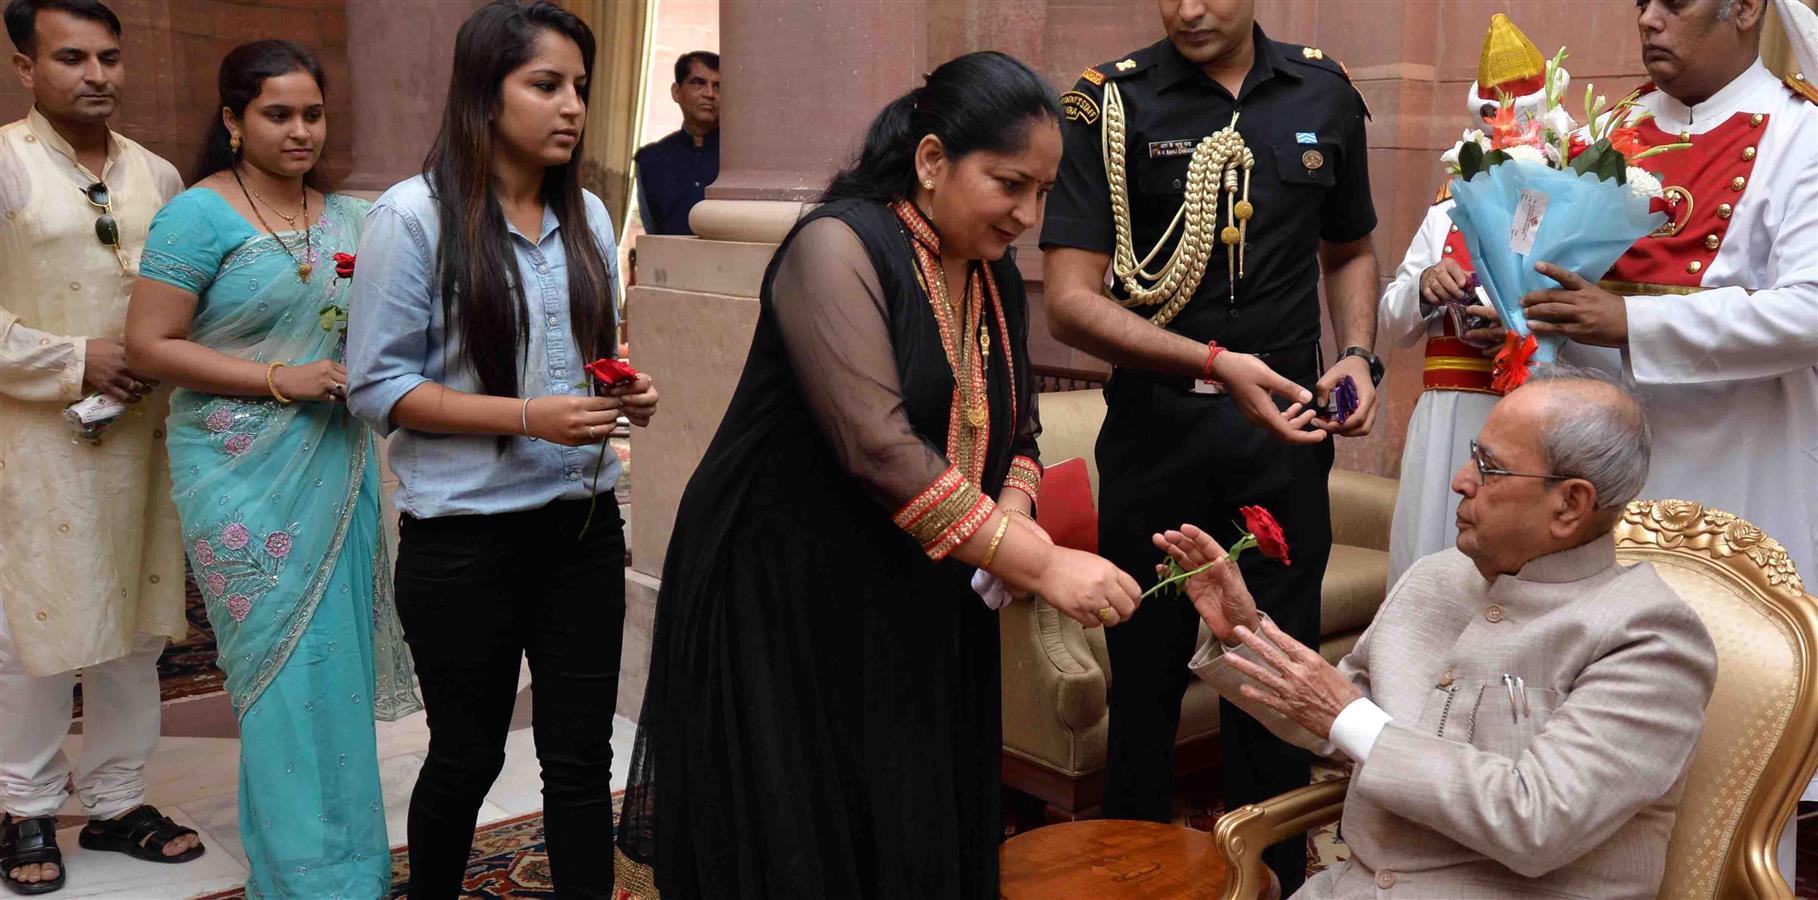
485	286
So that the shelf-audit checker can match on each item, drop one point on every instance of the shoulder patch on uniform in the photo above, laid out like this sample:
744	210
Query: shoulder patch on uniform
1093	75
1445	193
1799	84
1079	107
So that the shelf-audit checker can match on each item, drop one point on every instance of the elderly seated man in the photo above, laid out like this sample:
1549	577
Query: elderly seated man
1523	710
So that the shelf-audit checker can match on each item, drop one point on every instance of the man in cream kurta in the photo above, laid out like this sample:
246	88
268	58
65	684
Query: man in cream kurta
1523	710
91	560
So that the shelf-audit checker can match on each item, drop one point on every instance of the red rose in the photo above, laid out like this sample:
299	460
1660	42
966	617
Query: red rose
1578	145
1267	531
612	372
344	265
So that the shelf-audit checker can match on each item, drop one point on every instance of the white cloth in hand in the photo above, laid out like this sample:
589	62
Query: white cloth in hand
991	589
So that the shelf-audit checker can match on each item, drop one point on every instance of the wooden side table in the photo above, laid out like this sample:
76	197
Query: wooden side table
1110	859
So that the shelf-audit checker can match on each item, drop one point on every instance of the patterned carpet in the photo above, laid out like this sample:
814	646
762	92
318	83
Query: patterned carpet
508	860
187	668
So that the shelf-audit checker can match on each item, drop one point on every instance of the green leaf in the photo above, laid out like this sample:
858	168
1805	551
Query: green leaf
1613	168
1494	158
1592	157
1470	160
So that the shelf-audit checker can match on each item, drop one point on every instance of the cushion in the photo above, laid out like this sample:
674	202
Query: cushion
1355	585
1065	509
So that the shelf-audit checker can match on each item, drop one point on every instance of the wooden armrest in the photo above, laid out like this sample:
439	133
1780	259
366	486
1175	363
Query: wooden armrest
1242	835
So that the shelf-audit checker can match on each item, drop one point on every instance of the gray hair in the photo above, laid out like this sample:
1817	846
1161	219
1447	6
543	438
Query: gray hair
1596	430
1724	9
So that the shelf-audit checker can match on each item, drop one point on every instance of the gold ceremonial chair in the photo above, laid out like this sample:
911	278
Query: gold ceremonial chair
1760	742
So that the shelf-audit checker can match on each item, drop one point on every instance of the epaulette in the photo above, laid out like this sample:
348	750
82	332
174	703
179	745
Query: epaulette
1126	67
1317	58
1313	56
1445	193
1799	84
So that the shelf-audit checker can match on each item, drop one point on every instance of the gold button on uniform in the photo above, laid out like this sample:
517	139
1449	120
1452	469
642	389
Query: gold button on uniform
1711	241
1755	120
1748	153
75	285
1494	613
1446	679
64	528
1454	229
1448	249
1385	880
154	579
31	139
41	616
1724	210
1738	183
1694	267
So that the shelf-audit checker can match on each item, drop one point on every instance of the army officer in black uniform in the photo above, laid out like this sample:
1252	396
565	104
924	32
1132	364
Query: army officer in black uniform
1213	176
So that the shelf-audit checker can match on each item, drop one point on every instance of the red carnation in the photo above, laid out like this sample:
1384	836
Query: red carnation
1267	531
344	265
612	372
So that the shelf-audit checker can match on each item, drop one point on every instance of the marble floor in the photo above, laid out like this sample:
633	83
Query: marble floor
192	779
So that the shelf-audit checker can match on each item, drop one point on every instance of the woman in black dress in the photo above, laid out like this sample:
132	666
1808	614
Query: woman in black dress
822	716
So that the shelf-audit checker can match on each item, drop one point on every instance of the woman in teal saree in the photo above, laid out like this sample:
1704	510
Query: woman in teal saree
276	483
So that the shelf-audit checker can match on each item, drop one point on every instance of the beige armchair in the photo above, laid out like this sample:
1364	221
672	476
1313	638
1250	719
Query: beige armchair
1760	742
1055	673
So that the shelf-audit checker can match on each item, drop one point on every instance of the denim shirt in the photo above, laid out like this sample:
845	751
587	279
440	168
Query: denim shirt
397	339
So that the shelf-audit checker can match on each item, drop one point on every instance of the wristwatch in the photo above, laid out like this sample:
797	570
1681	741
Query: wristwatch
1375	364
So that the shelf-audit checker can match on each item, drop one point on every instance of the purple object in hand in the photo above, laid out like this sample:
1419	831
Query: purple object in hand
1344	399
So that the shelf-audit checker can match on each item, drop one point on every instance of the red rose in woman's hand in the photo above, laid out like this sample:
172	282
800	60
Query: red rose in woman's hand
612	372
344	265
1267	531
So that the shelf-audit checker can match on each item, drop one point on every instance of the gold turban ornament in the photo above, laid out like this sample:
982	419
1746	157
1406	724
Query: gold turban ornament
1510	62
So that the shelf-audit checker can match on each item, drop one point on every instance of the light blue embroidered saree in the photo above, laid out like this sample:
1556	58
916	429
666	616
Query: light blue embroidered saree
280	512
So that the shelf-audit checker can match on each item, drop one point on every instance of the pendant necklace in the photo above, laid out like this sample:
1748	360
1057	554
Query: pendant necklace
306	264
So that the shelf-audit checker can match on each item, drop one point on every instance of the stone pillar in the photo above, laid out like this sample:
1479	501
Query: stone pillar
401	53
803	78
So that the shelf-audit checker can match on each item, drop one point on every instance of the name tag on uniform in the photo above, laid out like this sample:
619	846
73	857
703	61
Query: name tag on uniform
1163	149
1202	386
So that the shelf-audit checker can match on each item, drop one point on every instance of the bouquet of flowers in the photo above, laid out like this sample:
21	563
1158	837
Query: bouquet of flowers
1539	188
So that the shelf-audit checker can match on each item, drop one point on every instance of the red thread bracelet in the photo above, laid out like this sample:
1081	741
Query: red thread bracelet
1212	352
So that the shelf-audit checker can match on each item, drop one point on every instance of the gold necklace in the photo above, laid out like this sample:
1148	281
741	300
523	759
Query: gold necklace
289	219
305	265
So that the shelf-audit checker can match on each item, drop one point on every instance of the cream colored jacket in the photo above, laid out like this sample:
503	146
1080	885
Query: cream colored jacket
1463	795
90	550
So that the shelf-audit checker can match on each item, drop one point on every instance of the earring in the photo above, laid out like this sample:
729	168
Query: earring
233	143
927	184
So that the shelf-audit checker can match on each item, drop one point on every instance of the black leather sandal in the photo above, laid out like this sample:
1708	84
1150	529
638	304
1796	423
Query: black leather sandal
141	834
30	842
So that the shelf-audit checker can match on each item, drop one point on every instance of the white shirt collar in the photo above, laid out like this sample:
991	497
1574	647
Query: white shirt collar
1672	116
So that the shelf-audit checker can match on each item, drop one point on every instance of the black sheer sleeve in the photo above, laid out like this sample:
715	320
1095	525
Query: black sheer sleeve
830	309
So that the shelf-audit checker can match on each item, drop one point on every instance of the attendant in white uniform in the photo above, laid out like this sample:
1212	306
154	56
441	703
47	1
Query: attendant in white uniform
1456	394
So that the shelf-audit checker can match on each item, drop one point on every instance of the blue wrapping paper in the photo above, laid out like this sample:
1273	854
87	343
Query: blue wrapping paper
1589	223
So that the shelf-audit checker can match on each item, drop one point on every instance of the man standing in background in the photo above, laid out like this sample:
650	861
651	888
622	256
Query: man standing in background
673	173
91	558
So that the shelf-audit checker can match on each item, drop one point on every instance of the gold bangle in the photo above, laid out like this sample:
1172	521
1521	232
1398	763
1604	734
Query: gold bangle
272	386
1003	522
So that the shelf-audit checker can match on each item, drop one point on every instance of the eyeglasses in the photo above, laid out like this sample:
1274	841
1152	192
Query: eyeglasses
1485	468
106	228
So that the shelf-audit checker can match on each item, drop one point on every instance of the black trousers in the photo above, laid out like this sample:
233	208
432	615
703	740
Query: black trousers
1167	456
476	594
